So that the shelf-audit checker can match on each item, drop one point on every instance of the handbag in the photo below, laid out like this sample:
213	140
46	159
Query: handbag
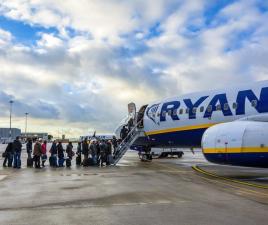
44	157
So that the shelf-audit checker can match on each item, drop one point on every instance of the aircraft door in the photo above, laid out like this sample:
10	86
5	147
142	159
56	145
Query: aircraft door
140	116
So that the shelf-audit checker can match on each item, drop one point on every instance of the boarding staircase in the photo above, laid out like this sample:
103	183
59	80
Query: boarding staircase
132	136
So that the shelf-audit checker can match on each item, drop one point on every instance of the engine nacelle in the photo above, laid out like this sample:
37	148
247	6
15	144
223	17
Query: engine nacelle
240	143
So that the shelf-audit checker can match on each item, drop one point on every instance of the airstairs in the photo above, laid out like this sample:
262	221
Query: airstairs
132	136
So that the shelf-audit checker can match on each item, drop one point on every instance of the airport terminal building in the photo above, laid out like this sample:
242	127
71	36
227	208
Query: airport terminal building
35	135
4	133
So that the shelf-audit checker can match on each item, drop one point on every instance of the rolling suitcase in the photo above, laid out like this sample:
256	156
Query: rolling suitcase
29	162
85	162
91	162
68	162
61	162
52	161
110	160
78	160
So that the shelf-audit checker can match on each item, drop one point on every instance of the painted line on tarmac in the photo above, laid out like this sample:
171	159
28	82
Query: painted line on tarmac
241	189
2	177
196	168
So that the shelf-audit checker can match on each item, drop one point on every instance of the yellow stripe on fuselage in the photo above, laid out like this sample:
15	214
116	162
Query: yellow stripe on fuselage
235	150
194	127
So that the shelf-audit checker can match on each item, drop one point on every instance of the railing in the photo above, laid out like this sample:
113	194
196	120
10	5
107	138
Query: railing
126	143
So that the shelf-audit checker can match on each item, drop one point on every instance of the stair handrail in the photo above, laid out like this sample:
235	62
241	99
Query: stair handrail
126	140
130	133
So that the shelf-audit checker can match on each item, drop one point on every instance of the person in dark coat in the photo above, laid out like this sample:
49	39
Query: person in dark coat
85	149
93	151
114	141
53	152
102	152
130	124
60	151
17	153
79	153
37	152
69	151
53	148
123	133
79	149
108	152
8	155
29	148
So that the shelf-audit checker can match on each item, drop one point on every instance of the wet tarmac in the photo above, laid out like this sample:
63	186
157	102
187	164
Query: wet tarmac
165	191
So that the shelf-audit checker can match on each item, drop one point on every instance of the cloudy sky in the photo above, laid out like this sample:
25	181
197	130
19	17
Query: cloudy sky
75	64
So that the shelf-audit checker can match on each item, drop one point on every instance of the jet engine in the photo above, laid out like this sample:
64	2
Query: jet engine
240	143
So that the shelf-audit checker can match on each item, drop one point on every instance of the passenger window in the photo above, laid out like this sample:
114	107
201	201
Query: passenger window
202	109
234	105
194	110
209	108
218	107
226	106
254	103
181	111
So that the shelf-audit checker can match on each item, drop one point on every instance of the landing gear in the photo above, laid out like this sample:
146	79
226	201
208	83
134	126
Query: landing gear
146	157
179	154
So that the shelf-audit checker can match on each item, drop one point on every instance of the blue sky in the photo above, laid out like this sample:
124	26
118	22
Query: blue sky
76	66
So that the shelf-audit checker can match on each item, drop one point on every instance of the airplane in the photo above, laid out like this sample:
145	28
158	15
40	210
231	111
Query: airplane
231	125
99	136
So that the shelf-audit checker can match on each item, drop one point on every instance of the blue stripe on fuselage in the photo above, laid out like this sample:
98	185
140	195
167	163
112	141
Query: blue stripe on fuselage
187	138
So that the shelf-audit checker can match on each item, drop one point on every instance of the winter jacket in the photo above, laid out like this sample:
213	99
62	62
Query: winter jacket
69	150
109	148
93	149
29	146
53	149
79	150
44	149
60	151
9	149
17	146
37	149
85	149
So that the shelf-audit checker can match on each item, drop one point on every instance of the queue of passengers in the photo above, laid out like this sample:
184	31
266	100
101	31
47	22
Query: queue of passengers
89	153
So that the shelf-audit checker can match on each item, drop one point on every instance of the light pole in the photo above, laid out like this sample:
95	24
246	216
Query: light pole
26	117
10	133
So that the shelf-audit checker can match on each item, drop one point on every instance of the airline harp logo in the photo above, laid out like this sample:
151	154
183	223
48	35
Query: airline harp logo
152	113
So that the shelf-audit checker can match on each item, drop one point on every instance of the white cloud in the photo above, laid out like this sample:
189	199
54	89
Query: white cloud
5	38
49	41
104	57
